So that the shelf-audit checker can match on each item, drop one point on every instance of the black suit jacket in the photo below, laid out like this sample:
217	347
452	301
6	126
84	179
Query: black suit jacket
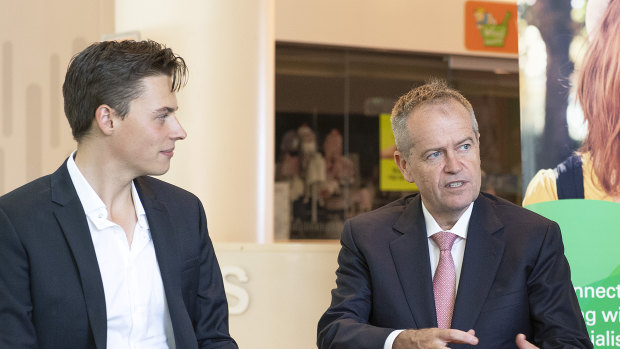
514	279
51	293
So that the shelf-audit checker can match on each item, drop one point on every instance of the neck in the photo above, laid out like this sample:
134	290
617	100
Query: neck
447	219
109	181
106	178
446	225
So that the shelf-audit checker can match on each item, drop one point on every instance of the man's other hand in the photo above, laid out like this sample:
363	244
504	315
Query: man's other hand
522	343
433	338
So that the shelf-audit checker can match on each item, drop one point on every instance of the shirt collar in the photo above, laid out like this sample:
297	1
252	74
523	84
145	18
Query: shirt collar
91	202
94	208
459	228
140	212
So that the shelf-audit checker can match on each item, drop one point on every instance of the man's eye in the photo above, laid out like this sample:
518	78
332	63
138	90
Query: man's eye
433	155
163	116
466	146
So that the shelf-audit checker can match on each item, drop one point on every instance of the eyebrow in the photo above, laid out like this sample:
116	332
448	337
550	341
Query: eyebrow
432	149
465	140
165	109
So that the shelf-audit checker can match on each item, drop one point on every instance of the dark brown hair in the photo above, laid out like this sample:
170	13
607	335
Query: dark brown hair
111	73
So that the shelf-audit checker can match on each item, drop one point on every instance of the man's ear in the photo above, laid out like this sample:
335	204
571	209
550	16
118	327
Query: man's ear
403	166
104	119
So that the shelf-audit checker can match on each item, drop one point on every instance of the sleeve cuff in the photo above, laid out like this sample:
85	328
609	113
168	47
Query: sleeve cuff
390	339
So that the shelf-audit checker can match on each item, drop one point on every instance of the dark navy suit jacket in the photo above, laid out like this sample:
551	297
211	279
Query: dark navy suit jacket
51	293
514	279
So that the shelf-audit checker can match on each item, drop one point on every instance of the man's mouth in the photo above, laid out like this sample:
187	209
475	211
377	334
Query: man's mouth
455	184
168	152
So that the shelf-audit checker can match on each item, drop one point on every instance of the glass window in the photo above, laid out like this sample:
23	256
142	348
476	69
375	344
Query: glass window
328	106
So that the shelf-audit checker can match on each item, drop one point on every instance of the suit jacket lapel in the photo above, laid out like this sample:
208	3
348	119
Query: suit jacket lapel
72	221
412	261
169	257
483	253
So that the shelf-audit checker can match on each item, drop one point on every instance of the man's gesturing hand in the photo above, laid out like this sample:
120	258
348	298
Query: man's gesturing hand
433	338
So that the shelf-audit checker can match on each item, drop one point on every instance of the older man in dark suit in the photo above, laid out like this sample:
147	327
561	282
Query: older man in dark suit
99	254
450	265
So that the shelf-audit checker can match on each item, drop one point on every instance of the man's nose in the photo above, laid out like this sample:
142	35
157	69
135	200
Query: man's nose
453	164
178	132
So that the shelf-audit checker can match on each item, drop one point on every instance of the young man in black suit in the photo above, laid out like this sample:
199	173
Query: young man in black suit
99	254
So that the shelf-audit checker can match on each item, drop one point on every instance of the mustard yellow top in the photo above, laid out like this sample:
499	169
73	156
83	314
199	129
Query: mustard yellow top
542	187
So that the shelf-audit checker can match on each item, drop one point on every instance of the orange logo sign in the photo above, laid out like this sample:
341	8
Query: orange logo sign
491	26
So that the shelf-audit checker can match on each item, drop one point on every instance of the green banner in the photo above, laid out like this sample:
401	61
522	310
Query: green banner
591	235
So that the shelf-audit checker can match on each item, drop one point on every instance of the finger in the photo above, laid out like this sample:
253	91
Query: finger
457	336
522	342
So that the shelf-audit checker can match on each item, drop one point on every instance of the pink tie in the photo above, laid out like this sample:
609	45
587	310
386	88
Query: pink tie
444	282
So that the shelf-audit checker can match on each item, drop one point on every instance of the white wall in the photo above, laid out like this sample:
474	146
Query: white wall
401	25
277	292
226	107
37	40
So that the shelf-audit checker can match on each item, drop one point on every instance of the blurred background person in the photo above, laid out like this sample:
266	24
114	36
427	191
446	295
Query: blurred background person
591	172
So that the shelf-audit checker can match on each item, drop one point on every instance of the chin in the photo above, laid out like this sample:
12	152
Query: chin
158	172
462	202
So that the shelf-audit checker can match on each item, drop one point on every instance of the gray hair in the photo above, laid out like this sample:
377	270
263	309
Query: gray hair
433	92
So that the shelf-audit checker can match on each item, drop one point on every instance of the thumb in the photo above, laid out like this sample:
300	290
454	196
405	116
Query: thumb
522	343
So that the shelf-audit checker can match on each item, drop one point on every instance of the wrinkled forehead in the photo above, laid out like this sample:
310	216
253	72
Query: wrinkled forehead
432	121
444	108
